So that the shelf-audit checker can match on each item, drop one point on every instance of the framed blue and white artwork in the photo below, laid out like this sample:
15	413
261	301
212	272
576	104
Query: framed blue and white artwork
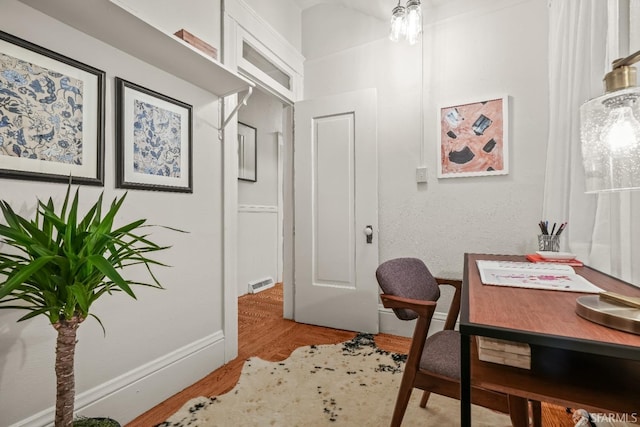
153	146
51	115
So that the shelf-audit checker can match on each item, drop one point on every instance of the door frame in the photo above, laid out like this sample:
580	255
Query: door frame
287	211
238	20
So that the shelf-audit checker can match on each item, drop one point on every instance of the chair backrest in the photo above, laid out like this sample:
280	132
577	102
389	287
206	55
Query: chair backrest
407	278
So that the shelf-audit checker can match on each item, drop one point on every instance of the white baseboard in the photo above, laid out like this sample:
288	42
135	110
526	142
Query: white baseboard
133	393
390	324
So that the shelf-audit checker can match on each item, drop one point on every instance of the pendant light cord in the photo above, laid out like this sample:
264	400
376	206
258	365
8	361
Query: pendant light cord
422	150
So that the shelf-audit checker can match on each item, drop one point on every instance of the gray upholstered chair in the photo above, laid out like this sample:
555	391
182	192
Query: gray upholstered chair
433	363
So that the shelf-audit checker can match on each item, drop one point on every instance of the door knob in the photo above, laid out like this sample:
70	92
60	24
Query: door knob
368	231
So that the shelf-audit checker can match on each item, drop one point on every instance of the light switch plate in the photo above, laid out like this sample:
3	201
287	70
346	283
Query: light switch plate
421	174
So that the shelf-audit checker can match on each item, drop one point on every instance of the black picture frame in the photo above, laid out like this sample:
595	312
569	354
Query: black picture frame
51	115
153	140
247	153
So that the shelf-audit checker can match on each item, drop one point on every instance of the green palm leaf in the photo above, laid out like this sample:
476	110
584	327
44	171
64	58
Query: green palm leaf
21	273
61	262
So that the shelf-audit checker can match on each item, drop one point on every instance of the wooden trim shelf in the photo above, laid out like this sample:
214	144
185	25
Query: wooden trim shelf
113	23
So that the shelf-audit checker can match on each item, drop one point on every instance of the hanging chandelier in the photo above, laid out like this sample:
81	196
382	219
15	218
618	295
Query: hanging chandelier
406	22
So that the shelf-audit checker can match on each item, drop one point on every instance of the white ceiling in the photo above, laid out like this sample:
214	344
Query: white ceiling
380	9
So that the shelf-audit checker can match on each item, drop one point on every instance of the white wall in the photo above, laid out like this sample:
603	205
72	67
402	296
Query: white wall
165	340
199	17
330	28
284	16
470	51
258	201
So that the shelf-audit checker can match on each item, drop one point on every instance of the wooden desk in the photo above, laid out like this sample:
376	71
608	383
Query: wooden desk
574	362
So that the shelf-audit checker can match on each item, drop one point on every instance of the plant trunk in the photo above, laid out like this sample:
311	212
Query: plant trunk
65	380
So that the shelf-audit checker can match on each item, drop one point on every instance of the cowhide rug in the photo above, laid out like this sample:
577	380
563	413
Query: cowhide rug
349	384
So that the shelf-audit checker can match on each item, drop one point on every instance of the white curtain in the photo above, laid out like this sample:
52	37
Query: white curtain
584	37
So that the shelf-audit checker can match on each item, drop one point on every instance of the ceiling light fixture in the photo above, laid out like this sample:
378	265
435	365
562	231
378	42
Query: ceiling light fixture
406	22
610	131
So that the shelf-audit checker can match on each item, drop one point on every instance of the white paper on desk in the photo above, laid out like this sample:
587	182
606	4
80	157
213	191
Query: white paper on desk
535	276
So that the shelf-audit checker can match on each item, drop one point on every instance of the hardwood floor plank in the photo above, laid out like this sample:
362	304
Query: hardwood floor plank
264	333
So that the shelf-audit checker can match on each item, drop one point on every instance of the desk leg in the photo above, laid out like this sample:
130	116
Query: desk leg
465	381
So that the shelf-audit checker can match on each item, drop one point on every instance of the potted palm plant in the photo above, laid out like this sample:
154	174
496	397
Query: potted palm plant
59	263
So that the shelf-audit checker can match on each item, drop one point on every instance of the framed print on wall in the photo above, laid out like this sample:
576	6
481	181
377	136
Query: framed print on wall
247	153
473	138
51	115
153	140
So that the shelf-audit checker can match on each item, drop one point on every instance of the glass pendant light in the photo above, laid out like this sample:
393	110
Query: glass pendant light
414	21
610	132
621	130
398	23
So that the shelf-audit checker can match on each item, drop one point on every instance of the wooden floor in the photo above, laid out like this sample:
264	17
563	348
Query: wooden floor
264	333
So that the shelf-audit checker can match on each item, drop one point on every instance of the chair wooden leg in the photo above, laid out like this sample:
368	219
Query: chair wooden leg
425	399
519	411
536	413
404	394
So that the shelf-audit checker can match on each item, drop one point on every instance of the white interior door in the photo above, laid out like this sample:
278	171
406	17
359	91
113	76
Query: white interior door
336	200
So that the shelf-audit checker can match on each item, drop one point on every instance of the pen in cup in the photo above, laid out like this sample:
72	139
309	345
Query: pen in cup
544	228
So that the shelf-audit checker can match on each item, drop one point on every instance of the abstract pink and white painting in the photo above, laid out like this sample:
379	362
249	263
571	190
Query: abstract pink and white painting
473	139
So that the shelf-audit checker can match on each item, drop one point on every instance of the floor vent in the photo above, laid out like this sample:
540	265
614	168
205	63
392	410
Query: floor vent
260	285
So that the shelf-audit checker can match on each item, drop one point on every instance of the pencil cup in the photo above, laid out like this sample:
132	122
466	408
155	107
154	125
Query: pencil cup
548	242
